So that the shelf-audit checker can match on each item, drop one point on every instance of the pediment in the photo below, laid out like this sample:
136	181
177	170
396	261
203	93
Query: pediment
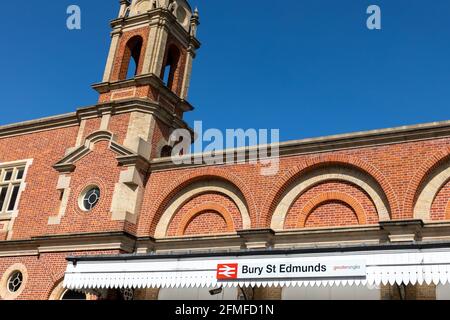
67	164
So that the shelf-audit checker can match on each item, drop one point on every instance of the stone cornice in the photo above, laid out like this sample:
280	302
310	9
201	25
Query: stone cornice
365	139
131	105
74	119
328	249
396	232
65	243
147	79
159	17
42	124
435	130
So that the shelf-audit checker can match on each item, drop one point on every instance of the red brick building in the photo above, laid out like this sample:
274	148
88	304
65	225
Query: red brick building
83	194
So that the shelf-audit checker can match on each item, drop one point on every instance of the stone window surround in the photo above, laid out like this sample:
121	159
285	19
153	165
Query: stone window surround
15	165
8	217
5	294
82	195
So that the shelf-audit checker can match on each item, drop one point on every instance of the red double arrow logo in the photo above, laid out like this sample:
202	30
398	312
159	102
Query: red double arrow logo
227	271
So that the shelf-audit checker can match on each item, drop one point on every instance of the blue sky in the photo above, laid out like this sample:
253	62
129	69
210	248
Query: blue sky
307	67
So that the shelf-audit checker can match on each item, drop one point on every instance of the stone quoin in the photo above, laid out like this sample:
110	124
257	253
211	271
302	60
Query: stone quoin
96	187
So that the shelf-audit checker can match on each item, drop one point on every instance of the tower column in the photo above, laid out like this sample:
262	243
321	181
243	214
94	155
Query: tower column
187	74
111	56
155	57
195	22
123	7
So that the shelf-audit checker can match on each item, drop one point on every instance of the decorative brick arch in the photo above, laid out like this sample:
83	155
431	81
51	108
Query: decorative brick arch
328	197
419	182
286	181
209	206
123	53
203	175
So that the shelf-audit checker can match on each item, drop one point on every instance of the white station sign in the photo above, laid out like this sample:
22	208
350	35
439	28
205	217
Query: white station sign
290	269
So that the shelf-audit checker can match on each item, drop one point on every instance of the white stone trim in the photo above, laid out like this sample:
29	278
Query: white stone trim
140	125
149	51
15	213
64	187
187	76
128	195
111	56
80	133
104	124
422	208
159	51
5	294
197	189
308	181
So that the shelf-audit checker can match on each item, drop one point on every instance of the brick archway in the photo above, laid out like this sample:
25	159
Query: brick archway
196	189
328	197
195	212
418	181
286	182
197	176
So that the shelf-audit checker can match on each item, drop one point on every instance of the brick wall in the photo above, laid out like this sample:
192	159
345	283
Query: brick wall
119	125
399	170
40	198
45	271
92	125
161	134
98	168
394	167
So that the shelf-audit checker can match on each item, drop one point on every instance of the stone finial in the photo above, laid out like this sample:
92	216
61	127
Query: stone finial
195	21
172	6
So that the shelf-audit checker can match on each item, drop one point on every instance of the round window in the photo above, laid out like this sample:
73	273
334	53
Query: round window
89	198
15	282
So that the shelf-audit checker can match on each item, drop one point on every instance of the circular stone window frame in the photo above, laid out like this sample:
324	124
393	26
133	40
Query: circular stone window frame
5	293
83	193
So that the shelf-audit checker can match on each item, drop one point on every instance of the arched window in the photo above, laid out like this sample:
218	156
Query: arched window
170	71
131	57
132	69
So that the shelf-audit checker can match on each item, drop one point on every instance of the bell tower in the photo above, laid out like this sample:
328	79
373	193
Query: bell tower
142	99
153	45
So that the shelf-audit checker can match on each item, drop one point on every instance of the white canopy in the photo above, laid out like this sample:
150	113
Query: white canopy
352	268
